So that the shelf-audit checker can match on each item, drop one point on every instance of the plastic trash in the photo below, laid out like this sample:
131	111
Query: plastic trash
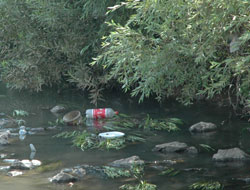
111	135
73	118
22	130
32	148
33	151
100	113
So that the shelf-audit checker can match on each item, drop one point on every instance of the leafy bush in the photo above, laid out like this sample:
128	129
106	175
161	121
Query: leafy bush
186	49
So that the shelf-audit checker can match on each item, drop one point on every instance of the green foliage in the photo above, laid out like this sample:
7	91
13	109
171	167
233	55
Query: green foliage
206	186
190	50
86	140
137	171
169	124
207	147
143	185
20	113
170	172
116	172
45	43
186	49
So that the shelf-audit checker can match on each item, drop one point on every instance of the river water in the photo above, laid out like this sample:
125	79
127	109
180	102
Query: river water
230	134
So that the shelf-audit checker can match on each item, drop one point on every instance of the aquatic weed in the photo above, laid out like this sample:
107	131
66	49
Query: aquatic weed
167	124
112	172
211	185
170	172
86	140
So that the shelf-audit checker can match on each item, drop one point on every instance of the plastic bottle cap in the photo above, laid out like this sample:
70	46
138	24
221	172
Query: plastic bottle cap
116	112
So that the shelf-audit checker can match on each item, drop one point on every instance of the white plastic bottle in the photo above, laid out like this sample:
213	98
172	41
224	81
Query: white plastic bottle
100	113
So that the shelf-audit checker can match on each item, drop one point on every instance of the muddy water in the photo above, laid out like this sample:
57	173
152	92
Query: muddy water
60	151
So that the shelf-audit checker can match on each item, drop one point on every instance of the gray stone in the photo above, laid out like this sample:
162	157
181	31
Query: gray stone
79	172
4	136
233	154
14	173
63	177
127	162
76	171
202	127
191	150
19	165
171	147
58	109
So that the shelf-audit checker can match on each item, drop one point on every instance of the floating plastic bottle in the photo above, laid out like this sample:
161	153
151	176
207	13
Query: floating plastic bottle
22	130
100	113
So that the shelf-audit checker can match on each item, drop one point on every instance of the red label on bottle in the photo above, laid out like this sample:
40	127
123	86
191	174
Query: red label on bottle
99	113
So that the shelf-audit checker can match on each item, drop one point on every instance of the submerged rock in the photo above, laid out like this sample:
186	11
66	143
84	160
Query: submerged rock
4	138
191	150
246	180
58	109
63	177
76	171
233	154
176	147
69	175
127	162
202	127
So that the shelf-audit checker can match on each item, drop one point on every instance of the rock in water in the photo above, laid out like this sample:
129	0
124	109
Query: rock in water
58	109
127	162
233	154
202	127
63	178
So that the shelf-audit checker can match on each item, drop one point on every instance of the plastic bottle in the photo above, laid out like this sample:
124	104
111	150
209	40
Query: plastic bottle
100	113
22	130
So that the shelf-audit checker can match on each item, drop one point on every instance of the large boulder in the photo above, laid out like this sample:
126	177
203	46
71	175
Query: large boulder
233	154
63	177
127	162
175	147
202	127
69	175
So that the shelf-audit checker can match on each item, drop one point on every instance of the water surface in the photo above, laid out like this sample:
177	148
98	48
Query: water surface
54	150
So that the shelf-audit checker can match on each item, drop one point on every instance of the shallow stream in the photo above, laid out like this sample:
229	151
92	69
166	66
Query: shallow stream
60	151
